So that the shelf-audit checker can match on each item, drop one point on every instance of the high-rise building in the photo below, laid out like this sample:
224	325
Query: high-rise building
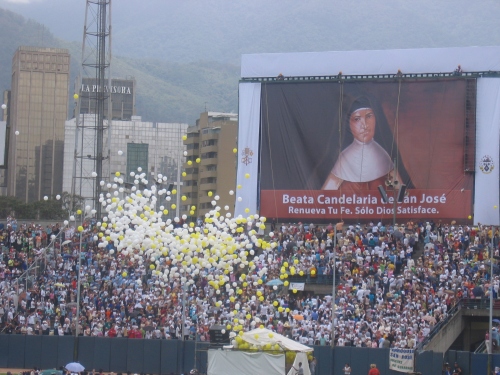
156	148
122	93
210	163
38	110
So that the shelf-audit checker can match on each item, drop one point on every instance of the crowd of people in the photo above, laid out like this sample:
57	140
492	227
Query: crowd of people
394	284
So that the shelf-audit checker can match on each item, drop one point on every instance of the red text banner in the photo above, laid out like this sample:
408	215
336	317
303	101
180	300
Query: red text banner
367	204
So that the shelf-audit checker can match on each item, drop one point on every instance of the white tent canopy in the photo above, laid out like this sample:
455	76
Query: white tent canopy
262	336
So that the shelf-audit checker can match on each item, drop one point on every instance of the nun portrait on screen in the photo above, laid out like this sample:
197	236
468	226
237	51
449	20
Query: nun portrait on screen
368	150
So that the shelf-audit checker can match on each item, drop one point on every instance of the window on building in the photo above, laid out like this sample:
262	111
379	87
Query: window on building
191	170
210	131
208	180
209	155
209	142
137	156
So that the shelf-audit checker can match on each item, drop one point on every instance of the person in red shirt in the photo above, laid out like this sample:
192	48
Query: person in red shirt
373	370
131	333
112	332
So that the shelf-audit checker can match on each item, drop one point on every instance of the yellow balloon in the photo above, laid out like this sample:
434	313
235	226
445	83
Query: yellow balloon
80	228
78	212
247	210
152	266
247	175
183	198
189	162
174	191
239	186
193	208
286	283
210	193
75	96
295	290
117	174
173	206
235	150
124	274
184	174
191	212
184	137
469	217
198	160
165	212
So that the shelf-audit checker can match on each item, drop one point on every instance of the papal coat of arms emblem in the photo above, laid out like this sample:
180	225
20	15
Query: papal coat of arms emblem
486	164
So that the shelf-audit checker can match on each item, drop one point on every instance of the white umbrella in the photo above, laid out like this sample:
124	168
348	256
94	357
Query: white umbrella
74	367
65	243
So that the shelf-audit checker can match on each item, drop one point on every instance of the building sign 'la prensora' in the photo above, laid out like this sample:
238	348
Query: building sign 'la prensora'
112	89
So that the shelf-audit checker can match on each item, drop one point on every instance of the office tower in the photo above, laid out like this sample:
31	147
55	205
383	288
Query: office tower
38	110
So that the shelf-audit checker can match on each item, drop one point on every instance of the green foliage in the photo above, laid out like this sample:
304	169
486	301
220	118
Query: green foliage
50	209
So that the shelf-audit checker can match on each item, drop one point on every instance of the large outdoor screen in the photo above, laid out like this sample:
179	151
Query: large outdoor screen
326	147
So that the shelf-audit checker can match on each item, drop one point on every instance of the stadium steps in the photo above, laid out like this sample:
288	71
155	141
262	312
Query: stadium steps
444	334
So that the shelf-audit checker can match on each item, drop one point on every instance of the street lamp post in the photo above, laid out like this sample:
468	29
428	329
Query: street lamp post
78	287
332	340
490	326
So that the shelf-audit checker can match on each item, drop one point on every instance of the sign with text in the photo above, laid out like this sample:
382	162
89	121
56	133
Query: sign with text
327	147
401	360
296	286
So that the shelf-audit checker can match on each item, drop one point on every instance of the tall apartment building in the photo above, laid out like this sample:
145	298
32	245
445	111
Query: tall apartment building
38	110
212	141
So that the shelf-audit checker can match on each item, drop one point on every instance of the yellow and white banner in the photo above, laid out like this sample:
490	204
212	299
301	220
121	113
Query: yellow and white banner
248	148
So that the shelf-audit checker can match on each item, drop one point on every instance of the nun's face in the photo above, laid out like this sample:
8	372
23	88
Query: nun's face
362	124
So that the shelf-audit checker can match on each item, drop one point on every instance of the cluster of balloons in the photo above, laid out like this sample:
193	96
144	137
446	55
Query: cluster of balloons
178	250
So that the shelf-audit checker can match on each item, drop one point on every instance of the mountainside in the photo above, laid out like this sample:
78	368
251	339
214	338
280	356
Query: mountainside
221	30
166	91
185	55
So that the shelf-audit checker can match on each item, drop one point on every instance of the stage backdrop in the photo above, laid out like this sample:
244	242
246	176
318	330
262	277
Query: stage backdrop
326	146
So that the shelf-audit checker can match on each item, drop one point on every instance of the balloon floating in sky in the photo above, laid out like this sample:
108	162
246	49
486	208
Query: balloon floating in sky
177	250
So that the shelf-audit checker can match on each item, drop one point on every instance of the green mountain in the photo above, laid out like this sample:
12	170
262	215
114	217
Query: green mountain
185	55
166	91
